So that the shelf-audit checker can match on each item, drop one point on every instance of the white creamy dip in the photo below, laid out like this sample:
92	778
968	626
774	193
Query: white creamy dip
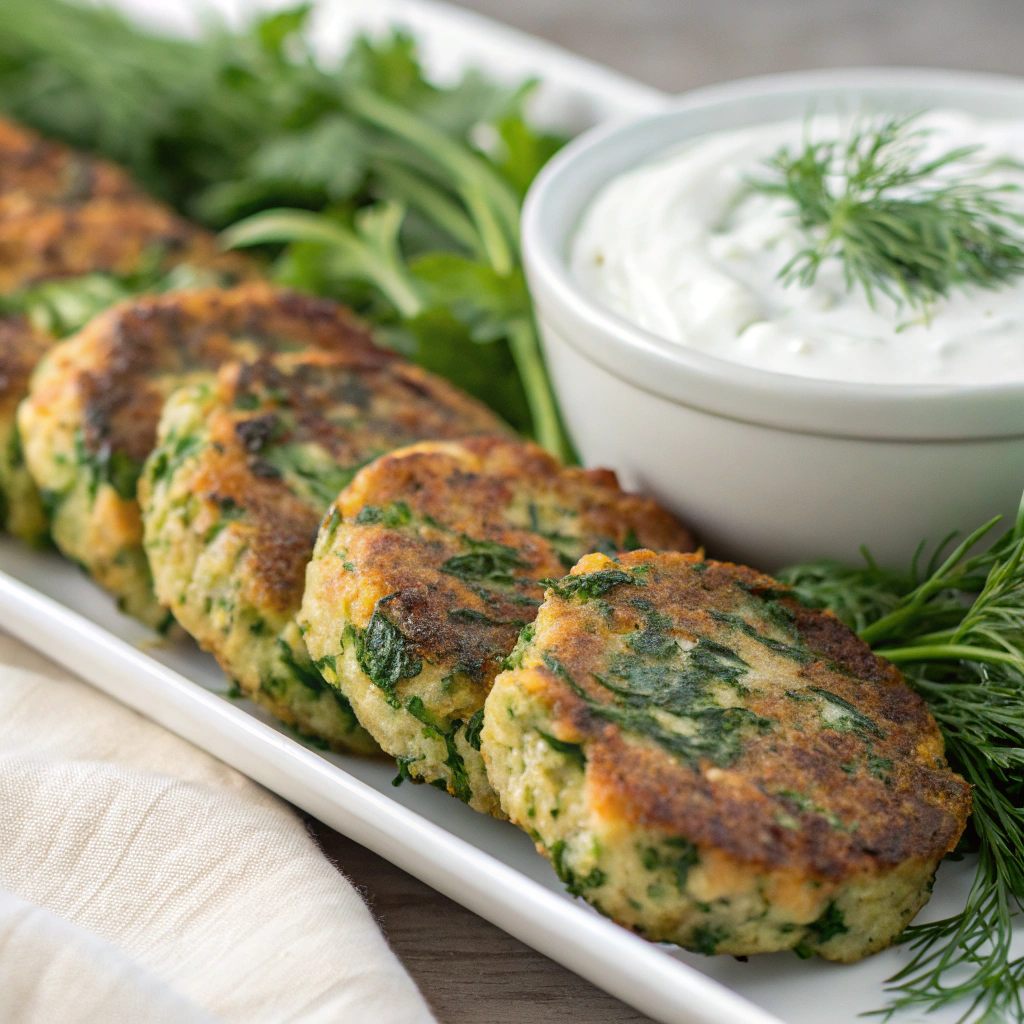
682	247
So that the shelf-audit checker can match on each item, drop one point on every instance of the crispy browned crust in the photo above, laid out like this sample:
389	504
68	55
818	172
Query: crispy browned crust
919	813
21	348
354	403
65	214
35	171
104	235
481	488
128	359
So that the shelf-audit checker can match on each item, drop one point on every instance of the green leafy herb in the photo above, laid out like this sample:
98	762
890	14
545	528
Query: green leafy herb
828	925
676	854
575	885
593	584
679	686
793	649
456	765
515	657
805	805
304	671
956	629
845	717
717	731
487	562
109	466
706	939
905	226
63	306
391	516
473	727
382	653
404	774
369	183
309	470
653	639
571	750
471	615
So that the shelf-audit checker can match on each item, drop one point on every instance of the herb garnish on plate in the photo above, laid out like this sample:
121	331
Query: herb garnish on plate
956	630
907	227
387	192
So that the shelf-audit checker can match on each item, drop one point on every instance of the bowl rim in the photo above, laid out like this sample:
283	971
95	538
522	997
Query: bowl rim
689	376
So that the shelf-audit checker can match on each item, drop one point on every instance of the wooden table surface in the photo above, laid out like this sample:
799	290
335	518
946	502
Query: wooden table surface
470	971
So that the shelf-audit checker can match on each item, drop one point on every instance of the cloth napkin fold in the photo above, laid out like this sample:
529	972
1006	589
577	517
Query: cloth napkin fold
142	880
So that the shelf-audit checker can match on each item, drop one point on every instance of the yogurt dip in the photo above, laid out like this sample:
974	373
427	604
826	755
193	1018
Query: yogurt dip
683	247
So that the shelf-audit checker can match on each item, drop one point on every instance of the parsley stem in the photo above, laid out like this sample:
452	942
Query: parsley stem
537	385
357	257
491	203
432	203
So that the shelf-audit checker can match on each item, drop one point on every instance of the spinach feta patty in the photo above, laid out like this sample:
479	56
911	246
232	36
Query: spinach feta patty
34	171
425	570
95	401
76	234
235	490
709	763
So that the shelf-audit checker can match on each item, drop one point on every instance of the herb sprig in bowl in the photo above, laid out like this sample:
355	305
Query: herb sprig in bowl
902	224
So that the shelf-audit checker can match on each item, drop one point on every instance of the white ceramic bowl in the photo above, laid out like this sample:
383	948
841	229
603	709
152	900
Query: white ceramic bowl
768	468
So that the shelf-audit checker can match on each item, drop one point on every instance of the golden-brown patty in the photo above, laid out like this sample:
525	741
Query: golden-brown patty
426	569
76	235
236	489
109	236
21	511
91	416
714	765
35	171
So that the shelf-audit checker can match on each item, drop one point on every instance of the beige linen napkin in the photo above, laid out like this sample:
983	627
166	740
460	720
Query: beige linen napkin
142	880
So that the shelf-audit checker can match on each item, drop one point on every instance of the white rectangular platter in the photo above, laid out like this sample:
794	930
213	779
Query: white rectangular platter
487	865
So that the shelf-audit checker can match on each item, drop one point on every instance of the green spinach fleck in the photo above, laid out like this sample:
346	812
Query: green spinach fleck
716	731
845	717
575	885
459	777
473	727
707	938
382	653
392	516
796	650
594	584
471	615
676	855
488	561
571	750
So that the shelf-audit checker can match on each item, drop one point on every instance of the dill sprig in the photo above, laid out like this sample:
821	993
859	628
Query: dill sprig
904	226
957	632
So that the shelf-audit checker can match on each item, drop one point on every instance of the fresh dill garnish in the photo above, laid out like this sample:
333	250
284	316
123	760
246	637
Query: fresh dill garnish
903	225
956	630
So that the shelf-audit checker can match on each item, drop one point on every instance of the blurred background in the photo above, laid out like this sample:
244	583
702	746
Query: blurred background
677	44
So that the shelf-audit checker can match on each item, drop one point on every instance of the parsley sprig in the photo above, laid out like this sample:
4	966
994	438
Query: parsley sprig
956	630
910	228
360	178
